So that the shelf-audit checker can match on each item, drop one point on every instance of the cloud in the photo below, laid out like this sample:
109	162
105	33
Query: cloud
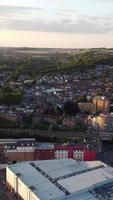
10	13
4	10
63	26
29	19
66	12
105	0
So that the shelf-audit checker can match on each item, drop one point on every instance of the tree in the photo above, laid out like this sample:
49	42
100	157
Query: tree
82	99
71	108
9	97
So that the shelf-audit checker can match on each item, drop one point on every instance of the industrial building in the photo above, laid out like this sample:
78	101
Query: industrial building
78	152
63	179
18	150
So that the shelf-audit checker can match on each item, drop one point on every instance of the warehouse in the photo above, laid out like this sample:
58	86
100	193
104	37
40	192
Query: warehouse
28	149
63	179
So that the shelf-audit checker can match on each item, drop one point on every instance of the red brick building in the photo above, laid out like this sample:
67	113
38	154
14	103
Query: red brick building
25	150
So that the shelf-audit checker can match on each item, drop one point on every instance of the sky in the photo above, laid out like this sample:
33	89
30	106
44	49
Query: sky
56	23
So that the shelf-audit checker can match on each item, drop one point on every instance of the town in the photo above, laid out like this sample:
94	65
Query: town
57	114
56	100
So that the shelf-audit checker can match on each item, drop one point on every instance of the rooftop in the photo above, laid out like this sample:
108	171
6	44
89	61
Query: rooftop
100	98
65	179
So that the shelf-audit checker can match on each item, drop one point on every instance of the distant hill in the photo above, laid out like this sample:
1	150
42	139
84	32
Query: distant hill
44	60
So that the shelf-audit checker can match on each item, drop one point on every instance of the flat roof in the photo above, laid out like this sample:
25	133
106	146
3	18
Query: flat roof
82	196
43	188
44	145
61	167
86	180
64	178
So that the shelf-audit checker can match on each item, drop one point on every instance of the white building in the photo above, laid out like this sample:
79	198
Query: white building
63	179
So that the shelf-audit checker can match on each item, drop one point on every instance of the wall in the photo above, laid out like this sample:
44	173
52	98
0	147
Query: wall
19	187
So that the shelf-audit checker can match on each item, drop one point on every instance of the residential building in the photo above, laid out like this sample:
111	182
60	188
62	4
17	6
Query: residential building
104	122
87	107
69	121
101	103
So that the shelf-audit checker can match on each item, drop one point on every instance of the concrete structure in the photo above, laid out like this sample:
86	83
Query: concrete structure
63	179
101	103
